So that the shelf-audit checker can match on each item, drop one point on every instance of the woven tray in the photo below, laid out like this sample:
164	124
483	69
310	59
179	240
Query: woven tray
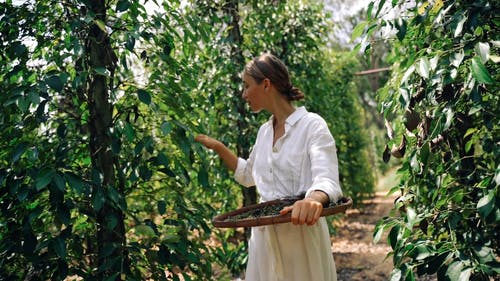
231	219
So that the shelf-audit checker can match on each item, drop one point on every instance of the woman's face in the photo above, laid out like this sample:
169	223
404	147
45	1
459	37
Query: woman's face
253	93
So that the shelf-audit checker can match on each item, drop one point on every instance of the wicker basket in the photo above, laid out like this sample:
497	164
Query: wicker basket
224	221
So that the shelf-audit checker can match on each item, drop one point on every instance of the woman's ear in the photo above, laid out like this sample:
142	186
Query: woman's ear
267	84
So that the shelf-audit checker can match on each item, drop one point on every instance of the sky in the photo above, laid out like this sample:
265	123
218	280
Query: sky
341	11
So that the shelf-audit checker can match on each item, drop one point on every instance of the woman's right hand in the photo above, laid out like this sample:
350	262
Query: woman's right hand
207	141
229	158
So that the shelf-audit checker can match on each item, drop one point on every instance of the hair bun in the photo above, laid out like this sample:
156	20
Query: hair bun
294	93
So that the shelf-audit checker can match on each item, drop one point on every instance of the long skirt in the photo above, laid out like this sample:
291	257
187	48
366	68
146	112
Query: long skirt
290	252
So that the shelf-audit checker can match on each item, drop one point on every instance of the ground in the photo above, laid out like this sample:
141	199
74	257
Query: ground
355	254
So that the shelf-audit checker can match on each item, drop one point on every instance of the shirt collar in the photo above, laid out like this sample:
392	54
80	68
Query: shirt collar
296	115
293	118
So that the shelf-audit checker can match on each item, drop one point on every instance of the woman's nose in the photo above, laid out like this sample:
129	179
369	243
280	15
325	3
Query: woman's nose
244	94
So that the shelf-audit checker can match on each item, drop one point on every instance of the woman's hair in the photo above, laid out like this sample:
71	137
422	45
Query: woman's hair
270	67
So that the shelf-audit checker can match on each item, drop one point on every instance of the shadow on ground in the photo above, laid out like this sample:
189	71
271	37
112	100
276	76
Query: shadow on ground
355	254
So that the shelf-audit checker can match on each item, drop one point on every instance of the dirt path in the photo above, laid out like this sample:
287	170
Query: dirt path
356	257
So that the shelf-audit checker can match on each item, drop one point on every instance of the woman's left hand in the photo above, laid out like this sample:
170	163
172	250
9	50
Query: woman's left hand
305	211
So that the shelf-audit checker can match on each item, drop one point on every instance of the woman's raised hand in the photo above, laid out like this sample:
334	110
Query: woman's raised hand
207	141
228	157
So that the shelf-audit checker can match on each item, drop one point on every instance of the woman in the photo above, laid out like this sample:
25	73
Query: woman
294	153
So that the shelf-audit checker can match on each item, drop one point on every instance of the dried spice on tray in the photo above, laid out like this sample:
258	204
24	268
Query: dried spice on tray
269	213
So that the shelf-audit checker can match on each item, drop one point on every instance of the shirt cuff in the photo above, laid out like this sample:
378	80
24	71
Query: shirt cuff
333	194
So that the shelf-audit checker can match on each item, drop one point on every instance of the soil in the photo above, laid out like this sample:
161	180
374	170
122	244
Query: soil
356	256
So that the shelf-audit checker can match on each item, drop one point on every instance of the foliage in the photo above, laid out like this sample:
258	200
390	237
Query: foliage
100	177
52	190
442	101
297	33
337	100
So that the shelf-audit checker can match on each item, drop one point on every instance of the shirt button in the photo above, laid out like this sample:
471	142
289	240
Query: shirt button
270	170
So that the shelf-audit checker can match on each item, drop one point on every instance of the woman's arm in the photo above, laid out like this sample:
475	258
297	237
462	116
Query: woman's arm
227	156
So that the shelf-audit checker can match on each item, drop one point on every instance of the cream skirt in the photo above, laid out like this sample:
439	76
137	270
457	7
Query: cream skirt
290	252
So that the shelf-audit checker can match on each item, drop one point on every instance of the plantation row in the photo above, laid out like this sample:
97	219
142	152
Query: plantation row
100	175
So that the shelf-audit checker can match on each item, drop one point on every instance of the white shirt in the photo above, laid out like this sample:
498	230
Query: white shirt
304	159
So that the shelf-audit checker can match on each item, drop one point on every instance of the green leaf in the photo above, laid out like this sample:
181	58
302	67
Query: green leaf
402	27
166	127
454	270
130	43
486	204
408	73
484	253
101	71
144	96
59	246
74	182
483	51
468	145
144	230
377	234
113	276
114	195
55	82
480	72
404	97
358	30
396	275
129	132
423	67
393	236
162	159
369	10
111	221
19	49
460	26
162	207
60	182
470	131
203	177
465	274
18	152
43	178
411	216
98	199
449	117
381	4
122	5
457	58
421	252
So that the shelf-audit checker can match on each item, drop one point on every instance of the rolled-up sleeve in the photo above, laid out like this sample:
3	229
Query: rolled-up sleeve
324	163
243	172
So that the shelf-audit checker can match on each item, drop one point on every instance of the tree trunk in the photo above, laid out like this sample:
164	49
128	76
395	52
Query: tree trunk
110	218
242	146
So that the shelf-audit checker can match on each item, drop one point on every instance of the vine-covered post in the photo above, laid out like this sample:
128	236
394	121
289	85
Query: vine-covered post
442	103
110	227
236	41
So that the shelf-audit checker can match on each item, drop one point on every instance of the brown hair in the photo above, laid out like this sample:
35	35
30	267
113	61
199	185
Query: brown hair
270	67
